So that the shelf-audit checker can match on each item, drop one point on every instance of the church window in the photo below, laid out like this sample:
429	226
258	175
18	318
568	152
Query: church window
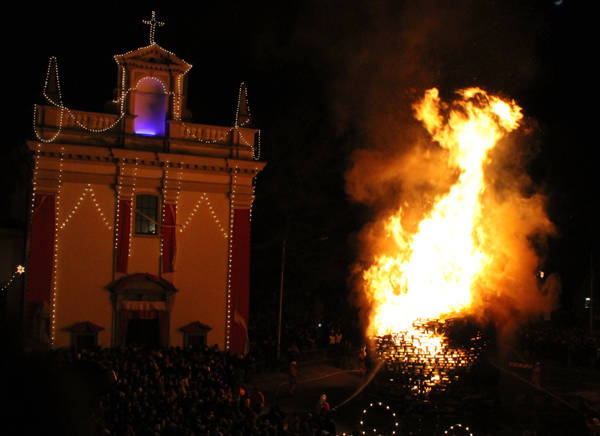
150	107
146	214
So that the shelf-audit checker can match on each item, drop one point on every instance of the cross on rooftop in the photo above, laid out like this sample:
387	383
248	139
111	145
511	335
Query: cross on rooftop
152	23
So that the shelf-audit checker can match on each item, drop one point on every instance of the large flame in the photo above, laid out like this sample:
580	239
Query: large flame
430	273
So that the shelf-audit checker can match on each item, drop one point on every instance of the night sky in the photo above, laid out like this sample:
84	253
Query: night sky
326	78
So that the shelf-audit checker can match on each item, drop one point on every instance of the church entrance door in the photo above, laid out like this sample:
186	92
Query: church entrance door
141	310
143	332
143	327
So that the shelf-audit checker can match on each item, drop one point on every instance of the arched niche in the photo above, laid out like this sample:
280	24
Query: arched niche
150	107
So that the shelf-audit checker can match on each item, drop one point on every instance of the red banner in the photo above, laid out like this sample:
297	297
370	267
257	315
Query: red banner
168	238
41	250
240	282
124	222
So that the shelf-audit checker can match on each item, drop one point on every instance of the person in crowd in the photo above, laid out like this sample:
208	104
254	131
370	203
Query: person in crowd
323	405
292	377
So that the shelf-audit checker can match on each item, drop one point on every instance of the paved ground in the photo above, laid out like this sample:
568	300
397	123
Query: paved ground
511	403
314	379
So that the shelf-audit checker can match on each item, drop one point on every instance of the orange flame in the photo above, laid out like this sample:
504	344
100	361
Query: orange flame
430	274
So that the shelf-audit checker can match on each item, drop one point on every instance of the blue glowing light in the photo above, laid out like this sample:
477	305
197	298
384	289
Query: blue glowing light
145	132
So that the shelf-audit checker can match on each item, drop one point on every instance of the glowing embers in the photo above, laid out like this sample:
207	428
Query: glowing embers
429	355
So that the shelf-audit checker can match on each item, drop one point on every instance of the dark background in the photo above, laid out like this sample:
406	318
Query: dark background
326	78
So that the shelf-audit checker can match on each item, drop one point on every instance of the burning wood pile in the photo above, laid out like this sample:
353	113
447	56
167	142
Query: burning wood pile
424	359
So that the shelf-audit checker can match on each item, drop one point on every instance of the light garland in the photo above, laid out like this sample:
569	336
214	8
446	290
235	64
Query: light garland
118	208
239	101
230	257
363	419
92	195
20	270
177	195
188	220
54	296
88	191
132	209
106	125
36	167
51	61
458	427
176	97
164	205
152	23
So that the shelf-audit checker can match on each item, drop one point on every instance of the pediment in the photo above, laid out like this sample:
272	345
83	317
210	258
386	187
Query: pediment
141	283
153	56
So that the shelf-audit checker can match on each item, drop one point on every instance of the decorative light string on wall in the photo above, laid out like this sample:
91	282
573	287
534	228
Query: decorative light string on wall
88	192
178	193
230	255
36	167
19	270
177	98
54	296
204	199
164	203
118	207
131	209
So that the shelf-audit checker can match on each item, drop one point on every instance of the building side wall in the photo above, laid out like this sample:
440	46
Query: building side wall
85	260
201	267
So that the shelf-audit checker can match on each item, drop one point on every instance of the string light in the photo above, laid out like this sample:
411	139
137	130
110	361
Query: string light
88	191
95	123
230	256
239	101
204	198
390	427
152	23
75	117
20	270
177	98
118	208
131	209
92	195
164	205
458	427
54	296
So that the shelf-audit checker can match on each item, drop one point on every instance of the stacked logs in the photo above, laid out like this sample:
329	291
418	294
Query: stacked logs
423	358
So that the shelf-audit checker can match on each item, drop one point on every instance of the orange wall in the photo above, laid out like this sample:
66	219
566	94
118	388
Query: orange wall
86	256
84	263
200	268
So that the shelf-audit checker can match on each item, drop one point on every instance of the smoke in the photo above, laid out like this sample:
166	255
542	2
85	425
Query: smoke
510	290
382	56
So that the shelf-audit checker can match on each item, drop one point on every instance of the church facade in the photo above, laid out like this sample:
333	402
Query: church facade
140	220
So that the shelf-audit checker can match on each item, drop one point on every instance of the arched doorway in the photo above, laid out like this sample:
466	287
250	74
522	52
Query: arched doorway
141	310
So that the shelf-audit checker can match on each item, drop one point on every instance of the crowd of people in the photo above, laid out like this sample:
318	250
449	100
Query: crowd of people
569	346
185	391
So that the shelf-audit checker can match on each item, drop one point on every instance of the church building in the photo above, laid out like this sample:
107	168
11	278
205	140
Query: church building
139	226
